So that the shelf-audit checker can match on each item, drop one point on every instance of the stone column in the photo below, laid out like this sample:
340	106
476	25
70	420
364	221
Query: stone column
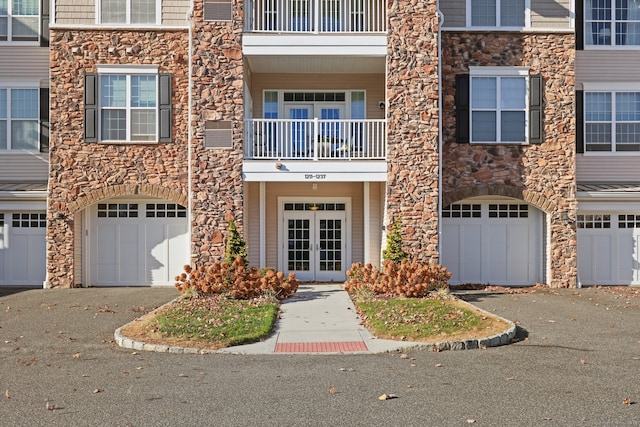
412	125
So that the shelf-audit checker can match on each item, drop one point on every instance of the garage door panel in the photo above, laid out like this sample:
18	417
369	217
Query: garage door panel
496	243
22	248
602	260
471	252
626	264
149	248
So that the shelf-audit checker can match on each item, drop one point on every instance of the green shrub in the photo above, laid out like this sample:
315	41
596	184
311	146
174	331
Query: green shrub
393	251
236	245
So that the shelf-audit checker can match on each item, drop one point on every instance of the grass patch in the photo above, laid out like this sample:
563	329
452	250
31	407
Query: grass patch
210	322
424	319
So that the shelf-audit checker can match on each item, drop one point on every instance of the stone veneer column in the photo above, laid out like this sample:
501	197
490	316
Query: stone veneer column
82	173
543	175
216	181
412	125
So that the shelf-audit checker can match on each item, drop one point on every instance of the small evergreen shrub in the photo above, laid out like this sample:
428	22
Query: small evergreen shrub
404	279
236	246
393	251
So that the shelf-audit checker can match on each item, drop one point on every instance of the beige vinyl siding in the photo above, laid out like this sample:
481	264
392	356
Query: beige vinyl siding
24	62
373	84
605	66
376	212
551	14
593	168
24	168
252	222
303	189
544	13
77	248
76	12
455	13
174	12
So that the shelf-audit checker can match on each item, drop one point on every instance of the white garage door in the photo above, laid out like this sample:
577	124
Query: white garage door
492	243
22	248
141	242
609	248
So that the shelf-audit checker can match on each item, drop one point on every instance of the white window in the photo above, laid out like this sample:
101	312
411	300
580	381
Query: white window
612	22
612	121
19	119
498	13
19	20
499	100
129	11
128	104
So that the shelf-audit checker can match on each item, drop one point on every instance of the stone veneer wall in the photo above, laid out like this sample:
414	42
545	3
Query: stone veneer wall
412	125
543	175
83	173
217	95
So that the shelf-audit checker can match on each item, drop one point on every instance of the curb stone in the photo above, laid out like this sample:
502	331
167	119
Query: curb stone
496	340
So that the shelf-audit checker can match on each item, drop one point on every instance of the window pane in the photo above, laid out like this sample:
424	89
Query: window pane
113	11
628	133
483	13
114	125
113	91
143	91
271	105
25	7
4	10
3	134
143	125
483	93
25	29
3	103
513	91
24	104
628	106
3	29
597	106
143	11
357	105
483	124
512	13
25	134
512	126
598	136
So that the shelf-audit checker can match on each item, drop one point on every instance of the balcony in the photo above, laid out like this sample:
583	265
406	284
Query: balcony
315	139
316	16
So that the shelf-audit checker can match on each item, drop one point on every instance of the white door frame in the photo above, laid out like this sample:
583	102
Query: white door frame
346	263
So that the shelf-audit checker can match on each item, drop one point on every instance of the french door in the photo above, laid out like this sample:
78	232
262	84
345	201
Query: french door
315	240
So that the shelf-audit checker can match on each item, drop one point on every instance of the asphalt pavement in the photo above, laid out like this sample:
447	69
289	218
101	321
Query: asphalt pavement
576	363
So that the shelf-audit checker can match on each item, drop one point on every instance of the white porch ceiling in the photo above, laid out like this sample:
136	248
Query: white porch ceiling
316	64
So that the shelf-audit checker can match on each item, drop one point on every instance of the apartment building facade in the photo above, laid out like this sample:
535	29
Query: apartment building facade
24	140
315	124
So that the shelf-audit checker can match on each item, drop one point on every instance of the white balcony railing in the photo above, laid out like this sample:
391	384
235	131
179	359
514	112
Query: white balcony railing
317	16
315	139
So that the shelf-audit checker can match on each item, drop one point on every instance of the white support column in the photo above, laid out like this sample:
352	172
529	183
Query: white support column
263	225
367	223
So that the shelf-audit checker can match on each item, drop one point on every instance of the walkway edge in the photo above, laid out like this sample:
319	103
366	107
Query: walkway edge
375	345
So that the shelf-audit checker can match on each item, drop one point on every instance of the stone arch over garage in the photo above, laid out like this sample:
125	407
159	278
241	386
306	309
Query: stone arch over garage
150	190
531	197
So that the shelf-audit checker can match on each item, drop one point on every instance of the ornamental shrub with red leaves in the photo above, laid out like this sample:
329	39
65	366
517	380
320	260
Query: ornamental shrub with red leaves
405	279
236	280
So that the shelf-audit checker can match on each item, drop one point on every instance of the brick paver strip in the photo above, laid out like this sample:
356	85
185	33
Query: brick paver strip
320	347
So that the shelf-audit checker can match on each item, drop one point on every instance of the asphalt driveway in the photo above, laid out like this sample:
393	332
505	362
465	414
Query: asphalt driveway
577	364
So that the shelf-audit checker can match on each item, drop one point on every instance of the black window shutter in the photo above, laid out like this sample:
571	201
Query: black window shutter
164	107
536	109
579	121
91	107
462	107
580	24
44	120
44	23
